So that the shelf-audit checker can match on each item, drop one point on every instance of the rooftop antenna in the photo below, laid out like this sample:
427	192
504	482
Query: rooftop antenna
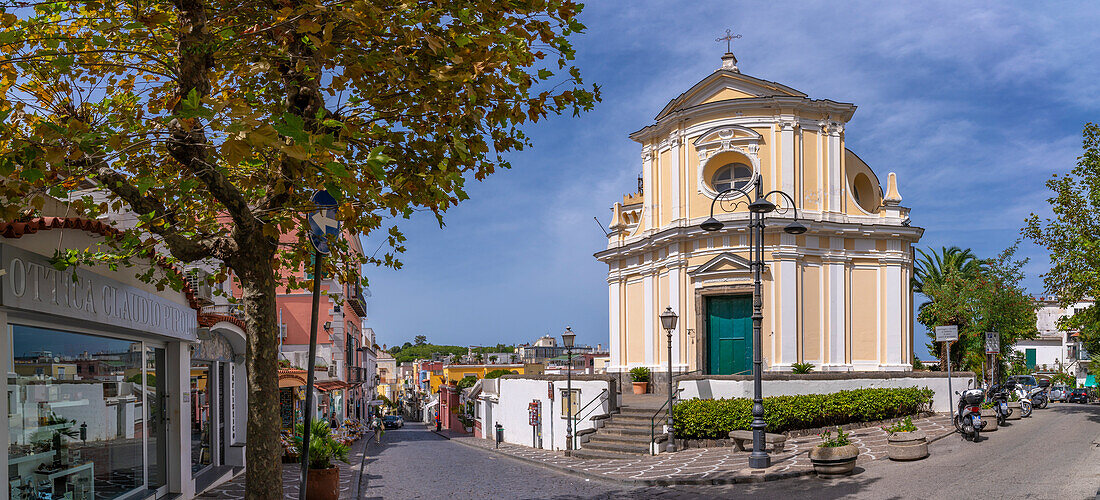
605	233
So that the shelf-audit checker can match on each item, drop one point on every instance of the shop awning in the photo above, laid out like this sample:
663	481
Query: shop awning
331	385
292	378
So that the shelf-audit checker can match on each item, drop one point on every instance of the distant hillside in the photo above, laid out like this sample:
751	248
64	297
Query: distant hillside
425	351
410	352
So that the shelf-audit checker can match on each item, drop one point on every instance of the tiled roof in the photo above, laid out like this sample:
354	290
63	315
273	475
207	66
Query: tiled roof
208	320
18	229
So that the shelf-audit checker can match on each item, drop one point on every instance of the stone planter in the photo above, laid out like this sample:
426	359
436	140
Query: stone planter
1017	413
640	387
323	484
989	418
834	462
907	445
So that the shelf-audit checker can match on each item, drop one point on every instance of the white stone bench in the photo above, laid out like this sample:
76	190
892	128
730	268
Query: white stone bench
743	438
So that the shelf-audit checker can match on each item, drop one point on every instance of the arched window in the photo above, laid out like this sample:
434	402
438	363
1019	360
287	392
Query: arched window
731	175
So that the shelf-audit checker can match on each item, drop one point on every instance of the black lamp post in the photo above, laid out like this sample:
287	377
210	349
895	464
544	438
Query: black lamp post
759	458
668	321
567	340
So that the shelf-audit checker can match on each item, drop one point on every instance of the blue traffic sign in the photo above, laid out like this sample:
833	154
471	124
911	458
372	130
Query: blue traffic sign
323	221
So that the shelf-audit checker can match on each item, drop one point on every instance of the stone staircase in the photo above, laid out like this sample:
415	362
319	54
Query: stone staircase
625	434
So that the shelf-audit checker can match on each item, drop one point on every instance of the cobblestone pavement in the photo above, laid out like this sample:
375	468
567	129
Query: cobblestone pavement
707	465
349	475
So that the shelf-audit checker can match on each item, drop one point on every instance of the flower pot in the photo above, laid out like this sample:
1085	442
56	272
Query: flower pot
835	461
907	445
640	387
323	484
989	418
1017	413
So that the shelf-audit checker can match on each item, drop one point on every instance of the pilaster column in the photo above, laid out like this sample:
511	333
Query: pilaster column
787	156
615	309
674	175
893	293
837	270
649	337
789	294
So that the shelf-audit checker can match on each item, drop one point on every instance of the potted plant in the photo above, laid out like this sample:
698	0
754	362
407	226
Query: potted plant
324	476
989	417
835	456
640	376
904	441
1014	405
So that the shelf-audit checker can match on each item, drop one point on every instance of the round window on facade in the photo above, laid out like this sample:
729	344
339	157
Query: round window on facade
730	175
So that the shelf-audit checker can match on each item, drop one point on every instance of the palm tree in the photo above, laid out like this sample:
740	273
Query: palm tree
931	267
930	271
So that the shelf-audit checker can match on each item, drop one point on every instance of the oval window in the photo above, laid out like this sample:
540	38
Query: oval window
735	175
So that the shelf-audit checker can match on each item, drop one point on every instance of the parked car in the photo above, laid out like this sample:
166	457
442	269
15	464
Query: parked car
392	422
1025	381
1059	393
1078	396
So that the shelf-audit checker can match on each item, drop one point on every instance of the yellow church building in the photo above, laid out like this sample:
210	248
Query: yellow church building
837	296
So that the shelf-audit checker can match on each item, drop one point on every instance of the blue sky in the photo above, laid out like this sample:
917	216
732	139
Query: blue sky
973	104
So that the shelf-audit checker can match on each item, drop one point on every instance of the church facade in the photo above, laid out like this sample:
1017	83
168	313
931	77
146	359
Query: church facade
837	296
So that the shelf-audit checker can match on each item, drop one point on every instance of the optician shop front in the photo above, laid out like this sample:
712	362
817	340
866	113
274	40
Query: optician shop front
99	372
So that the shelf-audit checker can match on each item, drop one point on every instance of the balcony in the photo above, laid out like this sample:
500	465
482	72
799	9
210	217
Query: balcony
356	299
356	375
234	310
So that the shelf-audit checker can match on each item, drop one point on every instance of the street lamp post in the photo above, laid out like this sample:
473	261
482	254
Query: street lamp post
567	340
760	206
668	321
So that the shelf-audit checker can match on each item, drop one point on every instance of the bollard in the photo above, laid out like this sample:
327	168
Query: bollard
500	434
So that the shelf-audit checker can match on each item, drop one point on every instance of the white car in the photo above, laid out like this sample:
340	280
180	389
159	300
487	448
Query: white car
1059	393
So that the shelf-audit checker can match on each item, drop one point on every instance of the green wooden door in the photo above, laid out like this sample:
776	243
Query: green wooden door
1030	357
729	334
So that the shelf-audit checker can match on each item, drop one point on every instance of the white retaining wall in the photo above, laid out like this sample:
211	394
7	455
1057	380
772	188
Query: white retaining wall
514	395
706	388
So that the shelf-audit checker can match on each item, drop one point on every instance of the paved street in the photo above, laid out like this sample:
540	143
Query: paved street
1051	455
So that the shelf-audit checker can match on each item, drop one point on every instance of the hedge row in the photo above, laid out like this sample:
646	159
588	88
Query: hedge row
715	418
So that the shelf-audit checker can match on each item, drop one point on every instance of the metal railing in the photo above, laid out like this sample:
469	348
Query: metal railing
663	412
235	310
653	420
577	417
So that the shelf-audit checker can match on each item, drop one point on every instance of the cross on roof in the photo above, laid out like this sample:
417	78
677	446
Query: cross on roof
730	37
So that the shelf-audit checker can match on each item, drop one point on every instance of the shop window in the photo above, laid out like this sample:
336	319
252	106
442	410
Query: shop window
201	416
75	436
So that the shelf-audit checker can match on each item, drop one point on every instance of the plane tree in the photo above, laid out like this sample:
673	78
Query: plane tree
213	122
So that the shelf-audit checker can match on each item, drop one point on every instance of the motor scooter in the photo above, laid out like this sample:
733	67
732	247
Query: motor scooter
1023	396
998	395
968	418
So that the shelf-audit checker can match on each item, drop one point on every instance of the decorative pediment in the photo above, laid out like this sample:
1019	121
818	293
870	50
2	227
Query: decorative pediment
725	263
723	85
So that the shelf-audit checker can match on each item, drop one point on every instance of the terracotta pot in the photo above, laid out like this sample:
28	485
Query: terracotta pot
835	461
989	418
1017	413
640	387
323	484
907	445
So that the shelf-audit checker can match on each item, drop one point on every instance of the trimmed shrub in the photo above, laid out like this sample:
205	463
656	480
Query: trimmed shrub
715	418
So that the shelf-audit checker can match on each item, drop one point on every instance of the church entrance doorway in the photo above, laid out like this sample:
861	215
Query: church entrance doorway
729	334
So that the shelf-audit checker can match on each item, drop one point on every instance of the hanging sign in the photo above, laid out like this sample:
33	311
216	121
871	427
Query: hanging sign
949	333
992	343
550	390
534	417
323	221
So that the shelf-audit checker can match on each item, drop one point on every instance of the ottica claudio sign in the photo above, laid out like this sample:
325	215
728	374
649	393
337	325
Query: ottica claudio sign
29	282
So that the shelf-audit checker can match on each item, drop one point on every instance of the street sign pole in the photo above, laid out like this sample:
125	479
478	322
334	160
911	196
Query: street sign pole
321	224
950	393
948	334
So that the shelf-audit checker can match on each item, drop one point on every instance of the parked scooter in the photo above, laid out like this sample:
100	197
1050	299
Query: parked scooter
968	418
1025	400
1038	397
998	395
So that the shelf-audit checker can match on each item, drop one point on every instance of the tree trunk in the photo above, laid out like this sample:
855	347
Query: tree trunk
264	474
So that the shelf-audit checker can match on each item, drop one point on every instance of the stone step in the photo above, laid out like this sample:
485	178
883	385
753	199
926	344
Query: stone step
586	453
638	412
625	431
624	440
640	449
631	419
